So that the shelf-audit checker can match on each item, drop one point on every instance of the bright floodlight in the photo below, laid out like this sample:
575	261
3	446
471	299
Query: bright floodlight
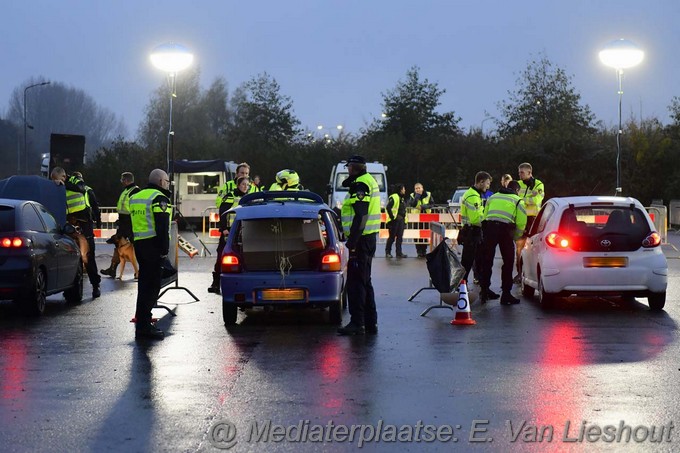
621	54
171	57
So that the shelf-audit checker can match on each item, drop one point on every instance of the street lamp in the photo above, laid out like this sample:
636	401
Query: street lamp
327	136
171	58
620	54
26	126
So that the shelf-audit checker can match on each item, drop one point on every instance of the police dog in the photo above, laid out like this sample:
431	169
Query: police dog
126	252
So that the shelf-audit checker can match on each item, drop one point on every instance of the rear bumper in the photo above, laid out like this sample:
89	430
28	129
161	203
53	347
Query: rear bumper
320	288
640	277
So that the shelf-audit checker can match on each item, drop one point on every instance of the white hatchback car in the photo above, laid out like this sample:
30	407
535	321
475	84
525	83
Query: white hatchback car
594	245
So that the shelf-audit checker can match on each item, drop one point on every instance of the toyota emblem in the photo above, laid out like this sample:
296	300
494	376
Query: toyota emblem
606	243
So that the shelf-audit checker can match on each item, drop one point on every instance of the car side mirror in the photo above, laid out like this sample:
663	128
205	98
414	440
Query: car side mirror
329	189
68	229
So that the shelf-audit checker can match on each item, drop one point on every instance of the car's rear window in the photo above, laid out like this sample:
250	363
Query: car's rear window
6	219
604	228
282	244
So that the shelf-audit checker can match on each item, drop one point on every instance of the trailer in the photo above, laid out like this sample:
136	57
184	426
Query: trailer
197	183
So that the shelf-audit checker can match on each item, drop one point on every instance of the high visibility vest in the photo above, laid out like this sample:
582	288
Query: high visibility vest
229	187
424	199
233	200
507	208
123	205
471	208
347	211
395	204
533	198
75	202
142	210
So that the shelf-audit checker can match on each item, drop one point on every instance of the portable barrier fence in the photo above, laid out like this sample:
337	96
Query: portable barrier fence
417	230
659	216
211	221
109	218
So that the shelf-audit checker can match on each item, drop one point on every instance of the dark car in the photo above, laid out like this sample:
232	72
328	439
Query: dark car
37	257
284	249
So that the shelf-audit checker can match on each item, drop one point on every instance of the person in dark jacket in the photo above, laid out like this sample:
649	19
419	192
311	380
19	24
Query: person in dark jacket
151	214
396	220
230	200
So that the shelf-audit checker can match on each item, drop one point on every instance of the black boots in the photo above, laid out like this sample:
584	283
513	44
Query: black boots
110	271
149	331
215	287
353	329
508	299
486	295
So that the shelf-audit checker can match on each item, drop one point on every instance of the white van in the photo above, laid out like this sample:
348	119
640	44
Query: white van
336	193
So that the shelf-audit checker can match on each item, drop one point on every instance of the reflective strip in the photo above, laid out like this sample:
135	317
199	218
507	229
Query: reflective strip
75	202
143	202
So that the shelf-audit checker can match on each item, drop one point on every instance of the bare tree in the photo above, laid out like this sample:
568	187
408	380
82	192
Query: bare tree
60	109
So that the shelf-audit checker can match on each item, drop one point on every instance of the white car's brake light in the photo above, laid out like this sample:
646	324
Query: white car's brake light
653	240
557	240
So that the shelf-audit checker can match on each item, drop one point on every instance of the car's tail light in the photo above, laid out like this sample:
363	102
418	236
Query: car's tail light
230	264
331	262
13	242
557	240
653	240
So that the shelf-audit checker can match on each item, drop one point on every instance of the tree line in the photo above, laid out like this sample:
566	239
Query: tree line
543	121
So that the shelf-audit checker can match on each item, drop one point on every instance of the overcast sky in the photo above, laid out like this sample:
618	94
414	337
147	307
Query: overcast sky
335	58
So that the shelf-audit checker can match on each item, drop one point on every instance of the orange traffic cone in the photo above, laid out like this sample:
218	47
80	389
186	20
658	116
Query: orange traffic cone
463	316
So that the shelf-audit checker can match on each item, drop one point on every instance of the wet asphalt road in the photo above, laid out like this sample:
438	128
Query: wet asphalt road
76	380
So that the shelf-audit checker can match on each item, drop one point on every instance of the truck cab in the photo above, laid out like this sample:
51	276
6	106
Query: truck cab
337	193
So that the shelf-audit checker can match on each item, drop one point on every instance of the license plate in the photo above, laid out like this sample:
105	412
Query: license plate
605	261
283	294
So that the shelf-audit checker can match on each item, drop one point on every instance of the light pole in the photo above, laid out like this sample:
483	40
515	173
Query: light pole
620	54
171	58
481	126
26	126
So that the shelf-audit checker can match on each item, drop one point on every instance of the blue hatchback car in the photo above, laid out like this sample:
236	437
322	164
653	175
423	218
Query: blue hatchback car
284	249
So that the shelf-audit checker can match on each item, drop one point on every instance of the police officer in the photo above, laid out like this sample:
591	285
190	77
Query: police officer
150	212
288	180
396	214
419	201
127	179
232	199
79	212
242	169
471	216
532	192
504	221
360	215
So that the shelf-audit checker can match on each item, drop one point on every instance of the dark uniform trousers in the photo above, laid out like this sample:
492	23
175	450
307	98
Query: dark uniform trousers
359	287
149	283
87	229
501	235
472	250
396	232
